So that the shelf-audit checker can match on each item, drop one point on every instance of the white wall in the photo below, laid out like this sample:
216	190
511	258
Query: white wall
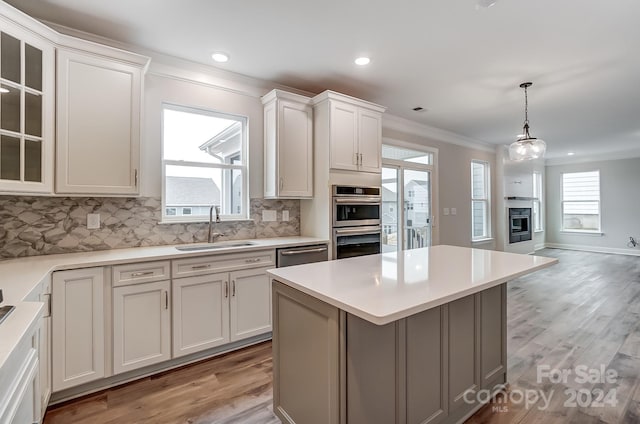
619	208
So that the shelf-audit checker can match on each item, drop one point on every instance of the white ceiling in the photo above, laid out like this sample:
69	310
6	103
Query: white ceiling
460	62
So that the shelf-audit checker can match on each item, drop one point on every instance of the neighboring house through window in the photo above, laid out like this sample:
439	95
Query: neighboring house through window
480	200
581	201
203	164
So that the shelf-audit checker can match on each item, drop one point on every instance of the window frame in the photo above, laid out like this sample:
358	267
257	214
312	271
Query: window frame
538	199
486	200
562	202
244	168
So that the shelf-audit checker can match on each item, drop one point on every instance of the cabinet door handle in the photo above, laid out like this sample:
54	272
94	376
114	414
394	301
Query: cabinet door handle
201	266
226	289
356	159
233	288
166	299
360	159
141	274
135	177
281	183
252	261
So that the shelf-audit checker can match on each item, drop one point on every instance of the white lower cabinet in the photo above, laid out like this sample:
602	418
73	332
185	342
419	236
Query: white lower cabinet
200	313
212	310
141	325
250	303
78	336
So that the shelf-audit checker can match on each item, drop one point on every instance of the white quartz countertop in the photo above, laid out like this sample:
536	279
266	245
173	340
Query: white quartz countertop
20	277
390	286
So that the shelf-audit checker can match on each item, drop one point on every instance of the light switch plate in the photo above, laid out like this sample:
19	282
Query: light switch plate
268	215
454	211
445	211
285	215
93	221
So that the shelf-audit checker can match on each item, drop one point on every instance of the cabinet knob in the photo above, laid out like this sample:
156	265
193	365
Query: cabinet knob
226	289
233	287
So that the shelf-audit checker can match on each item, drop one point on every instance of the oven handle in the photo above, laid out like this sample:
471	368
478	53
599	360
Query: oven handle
357	200
359	230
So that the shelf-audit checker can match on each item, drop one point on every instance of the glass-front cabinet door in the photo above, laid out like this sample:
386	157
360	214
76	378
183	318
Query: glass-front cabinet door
26	112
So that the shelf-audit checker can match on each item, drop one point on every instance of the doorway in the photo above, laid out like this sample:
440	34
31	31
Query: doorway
406	198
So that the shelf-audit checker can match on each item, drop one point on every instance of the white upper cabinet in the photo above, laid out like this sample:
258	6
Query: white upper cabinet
98	122
344	136
352	129
370	140
288	145
27	104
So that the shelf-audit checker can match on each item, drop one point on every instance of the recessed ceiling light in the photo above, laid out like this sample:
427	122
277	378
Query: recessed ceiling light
361	61
220	57
570	154
3	90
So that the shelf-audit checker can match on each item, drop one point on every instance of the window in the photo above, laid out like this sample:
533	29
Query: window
581	201
480	200
537	202
204	164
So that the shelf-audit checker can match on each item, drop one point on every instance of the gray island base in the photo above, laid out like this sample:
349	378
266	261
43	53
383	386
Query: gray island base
331	366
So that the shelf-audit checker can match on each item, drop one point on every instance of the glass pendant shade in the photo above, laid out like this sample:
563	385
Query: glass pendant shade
527	149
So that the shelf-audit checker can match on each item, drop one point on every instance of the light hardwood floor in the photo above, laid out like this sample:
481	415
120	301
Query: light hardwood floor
583	311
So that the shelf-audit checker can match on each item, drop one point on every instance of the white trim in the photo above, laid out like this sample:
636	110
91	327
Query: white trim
397	123
582	233
486	240
568	160
486	199
595	249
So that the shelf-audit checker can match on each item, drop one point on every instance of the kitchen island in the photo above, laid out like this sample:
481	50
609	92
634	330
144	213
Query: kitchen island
407	337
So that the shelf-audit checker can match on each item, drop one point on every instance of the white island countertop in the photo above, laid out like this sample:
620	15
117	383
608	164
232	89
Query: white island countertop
387	287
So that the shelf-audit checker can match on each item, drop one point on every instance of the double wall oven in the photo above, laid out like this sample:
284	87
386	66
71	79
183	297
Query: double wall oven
356	221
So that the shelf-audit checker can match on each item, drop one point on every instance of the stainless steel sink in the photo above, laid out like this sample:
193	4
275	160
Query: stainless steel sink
212	246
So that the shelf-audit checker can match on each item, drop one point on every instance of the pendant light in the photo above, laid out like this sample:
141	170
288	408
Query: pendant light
526	147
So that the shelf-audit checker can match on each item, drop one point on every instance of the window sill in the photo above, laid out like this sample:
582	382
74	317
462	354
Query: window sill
582	233
205	221
483	241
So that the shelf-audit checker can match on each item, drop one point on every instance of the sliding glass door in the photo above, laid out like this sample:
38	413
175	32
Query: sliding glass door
406	198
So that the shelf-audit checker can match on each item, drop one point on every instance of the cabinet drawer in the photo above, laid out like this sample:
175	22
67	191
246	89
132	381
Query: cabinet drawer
143	272
222	263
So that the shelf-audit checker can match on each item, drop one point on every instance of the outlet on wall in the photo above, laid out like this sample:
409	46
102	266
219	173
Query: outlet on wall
93	221
285	215
454	211
445	211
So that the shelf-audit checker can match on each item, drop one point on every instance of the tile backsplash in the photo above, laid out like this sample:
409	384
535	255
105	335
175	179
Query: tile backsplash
32	226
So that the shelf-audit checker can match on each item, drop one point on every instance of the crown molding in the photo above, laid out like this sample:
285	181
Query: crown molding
179	69
397	123
625	154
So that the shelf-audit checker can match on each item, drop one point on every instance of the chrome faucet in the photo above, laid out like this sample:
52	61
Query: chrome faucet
212	236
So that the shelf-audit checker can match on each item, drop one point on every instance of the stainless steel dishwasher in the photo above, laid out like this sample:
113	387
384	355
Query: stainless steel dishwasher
301	255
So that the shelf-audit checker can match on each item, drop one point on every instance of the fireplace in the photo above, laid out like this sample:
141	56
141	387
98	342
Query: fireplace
519	224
